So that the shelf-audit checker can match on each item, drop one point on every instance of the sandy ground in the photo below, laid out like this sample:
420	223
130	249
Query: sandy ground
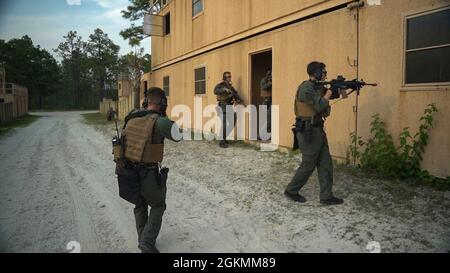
57	185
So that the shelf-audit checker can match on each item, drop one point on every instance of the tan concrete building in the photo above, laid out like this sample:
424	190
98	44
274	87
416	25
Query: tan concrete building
145	85
403	45
126	101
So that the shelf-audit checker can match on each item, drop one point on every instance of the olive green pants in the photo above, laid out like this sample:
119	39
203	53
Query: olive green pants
316	154
154	195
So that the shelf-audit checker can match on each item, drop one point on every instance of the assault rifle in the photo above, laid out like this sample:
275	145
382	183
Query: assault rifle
340	83
234	96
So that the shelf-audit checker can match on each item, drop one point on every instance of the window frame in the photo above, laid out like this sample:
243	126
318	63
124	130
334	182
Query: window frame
165	25
405	18
200	12
164	86
205	80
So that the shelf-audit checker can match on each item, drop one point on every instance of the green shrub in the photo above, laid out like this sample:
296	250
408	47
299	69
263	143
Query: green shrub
380	154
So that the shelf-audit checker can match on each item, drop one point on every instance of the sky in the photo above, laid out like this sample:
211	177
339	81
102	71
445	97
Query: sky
47	21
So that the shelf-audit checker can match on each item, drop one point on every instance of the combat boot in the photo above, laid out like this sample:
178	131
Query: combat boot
295	197
332	201
145	248
223	144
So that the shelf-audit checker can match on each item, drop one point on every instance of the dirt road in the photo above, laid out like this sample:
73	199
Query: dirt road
57	185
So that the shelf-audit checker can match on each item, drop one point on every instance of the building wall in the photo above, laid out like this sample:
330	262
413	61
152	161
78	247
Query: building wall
382	56
106	105
225	20
124	88
18	96
331	38
125	105
147	77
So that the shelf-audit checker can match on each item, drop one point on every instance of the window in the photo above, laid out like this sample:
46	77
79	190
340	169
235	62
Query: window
197	7
428	48
200	80
166	24
166	85
145	86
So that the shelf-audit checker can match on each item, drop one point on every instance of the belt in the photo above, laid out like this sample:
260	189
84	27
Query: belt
317	123
130	164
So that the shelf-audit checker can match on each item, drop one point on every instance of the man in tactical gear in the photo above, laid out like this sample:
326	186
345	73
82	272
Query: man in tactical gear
266	94
142	180
226	96
311	108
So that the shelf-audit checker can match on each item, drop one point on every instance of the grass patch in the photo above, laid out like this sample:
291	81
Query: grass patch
393	184
95	119
18	123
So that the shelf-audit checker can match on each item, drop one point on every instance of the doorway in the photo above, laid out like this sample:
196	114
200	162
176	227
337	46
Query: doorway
260	63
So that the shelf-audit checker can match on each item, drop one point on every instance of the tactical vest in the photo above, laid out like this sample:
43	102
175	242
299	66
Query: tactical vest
225	96
303	109
266	93
138	141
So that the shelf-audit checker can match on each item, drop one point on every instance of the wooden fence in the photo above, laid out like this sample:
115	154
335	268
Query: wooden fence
107	104
6	112
126	104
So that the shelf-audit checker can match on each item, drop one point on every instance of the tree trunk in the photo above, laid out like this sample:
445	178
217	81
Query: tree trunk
102	86
136	99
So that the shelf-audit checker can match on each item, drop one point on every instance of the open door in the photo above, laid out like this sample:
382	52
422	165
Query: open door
261	62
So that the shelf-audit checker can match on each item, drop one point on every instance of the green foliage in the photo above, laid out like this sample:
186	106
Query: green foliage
103	59
380	154
30	66
5	129
74	63
135	12
380	150
353	151
133	66
89	70
95	119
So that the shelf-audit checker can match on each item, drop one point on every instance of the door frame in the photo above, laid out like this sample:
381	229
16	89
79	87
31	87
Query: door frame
250	68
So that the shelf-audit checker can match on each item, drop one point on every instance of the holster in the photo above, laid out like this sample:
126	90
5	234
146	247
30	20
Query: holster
295	146
299	125
304	127
307	132
153	185
161	176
